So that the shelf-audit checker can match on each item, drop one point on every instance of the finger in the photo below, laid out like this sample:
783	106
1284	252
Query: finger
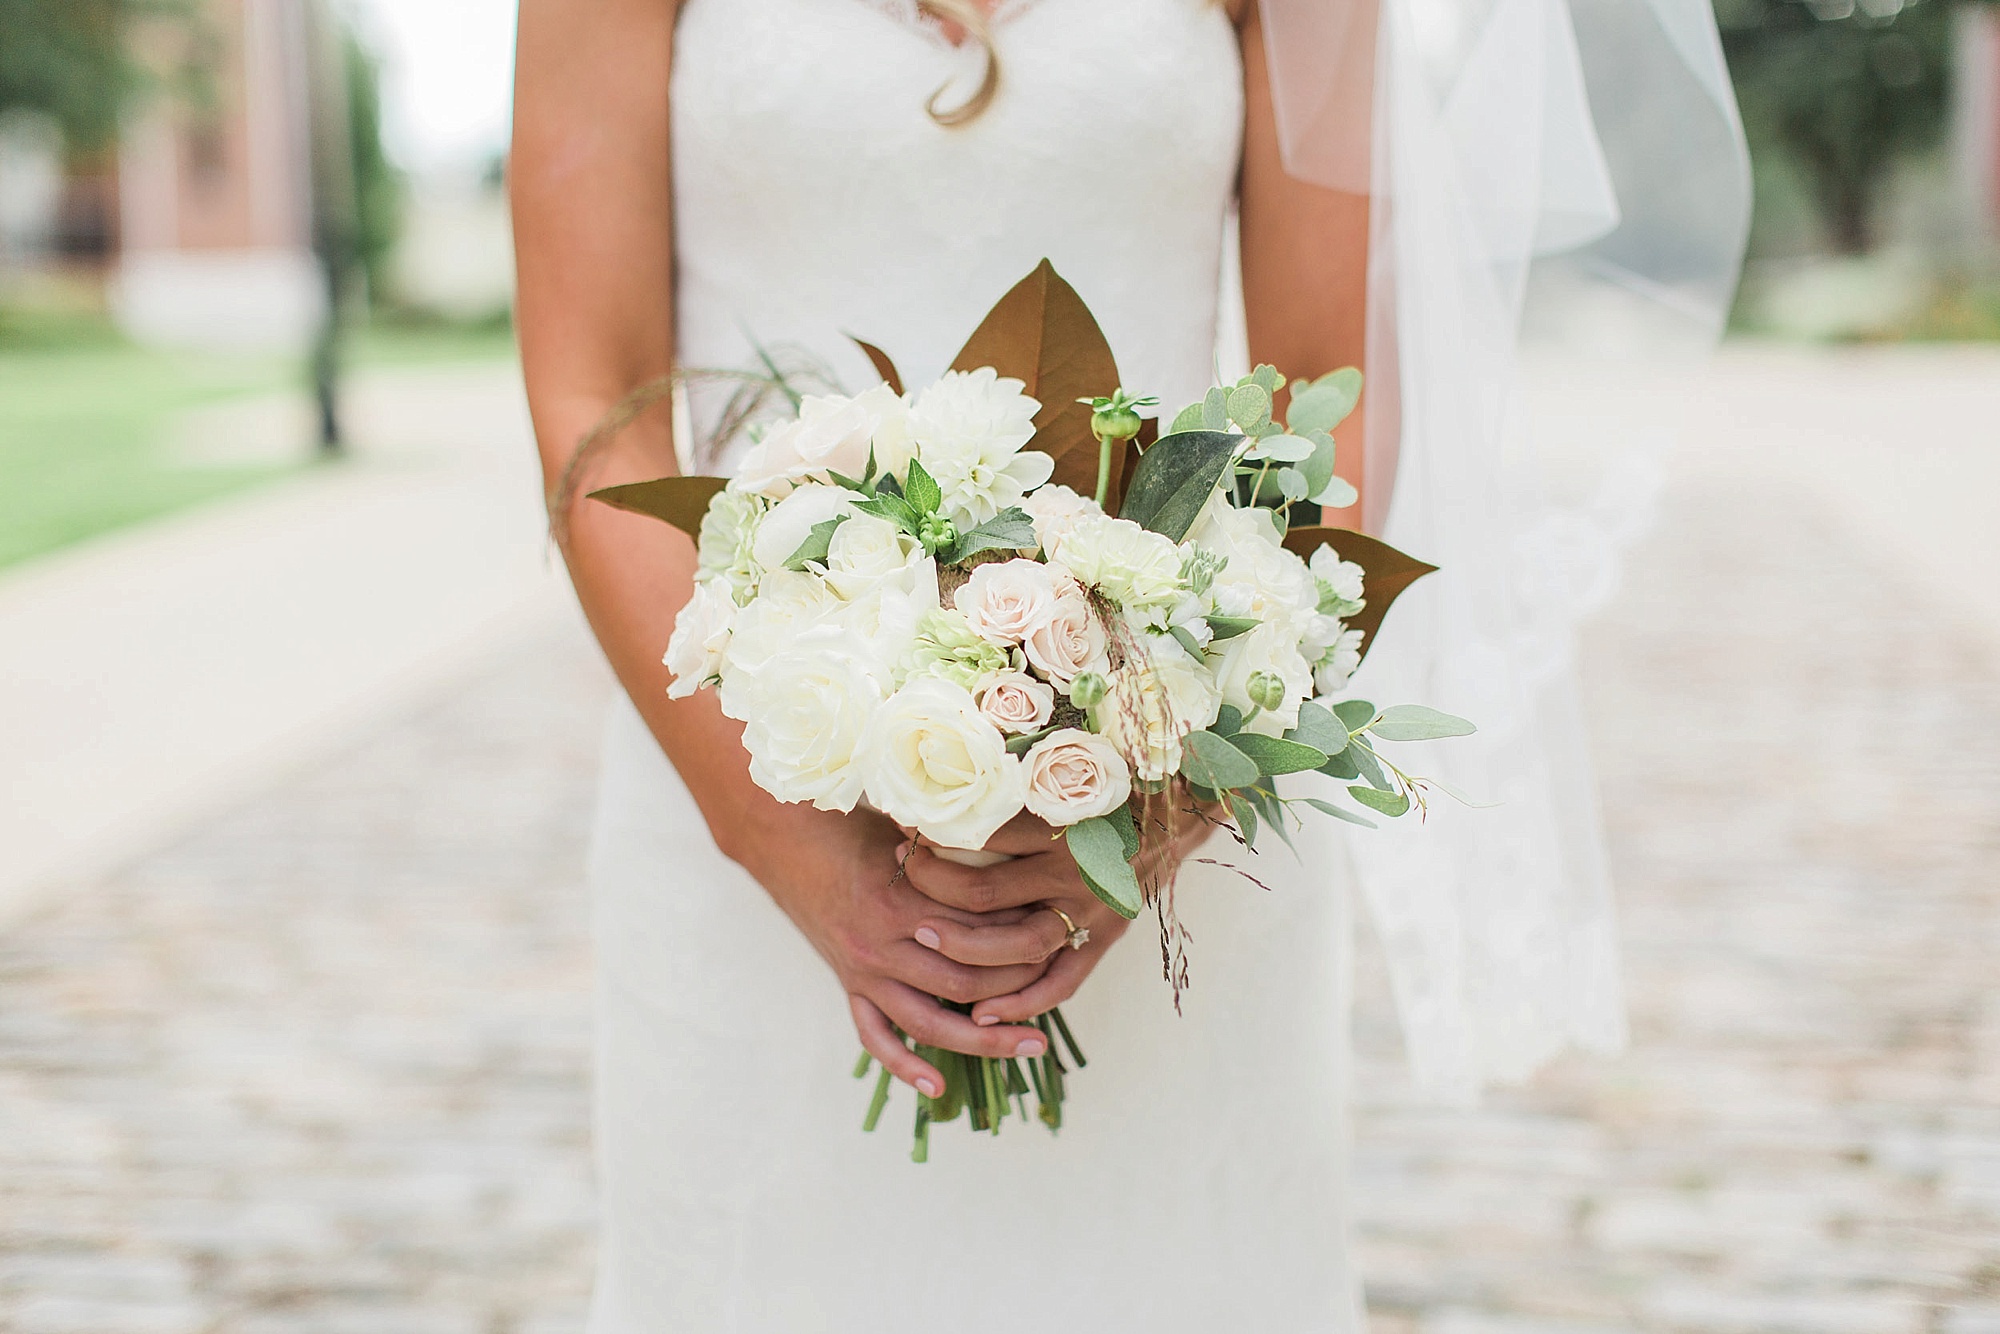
880	1041
930	1023
1025	836
1057	985
929	971
908	900
1029	941
982	889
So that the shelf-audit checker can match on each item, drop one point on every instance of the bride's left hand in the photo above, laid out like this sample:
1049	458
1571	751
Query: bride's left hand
1042	872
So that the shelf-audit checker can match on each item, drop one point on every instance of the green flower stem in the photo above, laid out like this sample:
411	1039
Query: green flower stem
1104	448
878	1102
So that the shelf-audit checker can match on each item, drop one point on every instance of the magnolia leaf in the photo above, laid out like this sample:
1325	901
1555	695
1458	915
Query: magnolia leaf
880	361
1214	761
1337	813
818	541
1415	722
1386	572
1128	829
1355	713
1389	803
1274	756
1319	728
680	501
922	490
1228	627
1099	849
1174	480
1324	403
1009	530
1192	418
1228	721
1250	407
1043	335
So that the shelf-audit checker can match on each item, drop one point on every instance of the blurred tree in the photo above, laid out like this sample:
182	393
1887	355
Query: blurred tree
78	62
378	186
1844	89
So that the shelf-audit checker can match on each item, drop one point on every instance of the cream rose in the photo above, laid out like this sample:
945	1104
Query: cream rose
1074	775
1070	641
787	605
1271	648
1056	511
865	551
792	520
701	636
1016	702
936	765
808	716
831	434
1151	707
1006	601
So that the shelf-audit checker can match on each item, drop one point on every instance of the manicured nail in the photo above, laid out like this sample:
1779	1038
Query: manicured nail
927	1087
903	851
986	1020
928	938
1030	1047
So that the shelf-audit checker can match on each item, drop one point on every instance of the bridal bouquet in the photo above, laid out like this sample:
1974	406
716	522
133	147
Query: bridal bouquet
1003	592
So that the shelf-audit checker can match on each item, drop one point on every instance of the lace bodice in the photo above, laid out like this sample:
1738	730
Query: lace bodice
815	198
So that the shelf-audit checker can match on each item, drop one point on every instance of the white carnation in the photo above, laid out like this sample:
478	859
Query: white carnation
808	715
830	435
936	765
969	429
1134	567
1074	776
701	636
1151	708
785	529
1057	510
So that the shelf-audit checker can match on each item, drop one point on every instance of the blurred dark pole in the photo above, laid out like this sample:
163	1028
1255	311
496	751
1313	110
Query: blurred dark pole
334	203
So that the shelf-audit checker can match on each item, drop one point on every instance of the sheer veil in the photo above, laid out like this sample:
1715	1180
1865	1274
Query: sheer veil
1565	172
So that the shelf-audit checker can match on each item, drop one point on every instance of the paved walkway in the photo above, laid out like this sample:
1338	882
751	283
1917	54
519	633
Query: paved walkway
319	1064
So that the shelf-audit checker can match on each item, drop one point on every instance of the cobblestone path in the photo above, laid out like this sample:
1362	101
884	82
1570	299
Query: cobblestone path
320	1067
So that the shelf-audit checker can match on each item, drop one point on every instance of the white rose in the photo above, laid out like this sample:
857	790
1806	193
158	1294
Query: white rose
1074	776
883	622
1057	510
787	605
791	521
867	550
728	528
1016	702
935	765
831	434
1271	648
1132	566
969	429
1338	663
701	635
1260	578
1070	641
1151	707
1006	601
808	715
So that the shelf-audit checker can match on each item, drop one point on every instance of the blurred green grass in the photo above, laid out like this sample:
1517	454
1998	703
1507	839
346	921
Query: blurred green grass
87	420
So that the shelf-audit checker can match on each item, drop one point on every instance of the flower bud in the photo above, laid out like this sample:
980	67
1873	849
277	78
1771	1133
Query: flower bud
1088	690
1114	423
1266	690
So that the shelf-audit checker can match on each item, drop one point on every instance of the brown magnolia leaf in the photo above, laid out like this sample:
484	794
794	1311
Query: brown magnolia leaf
883	366
1043	335
680	501
1387	571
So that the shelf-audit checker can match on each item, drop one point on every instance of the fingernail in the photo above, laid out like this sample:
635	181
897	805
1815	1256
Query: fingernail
927	1087
928	938
986	1020
1029	1047
903	851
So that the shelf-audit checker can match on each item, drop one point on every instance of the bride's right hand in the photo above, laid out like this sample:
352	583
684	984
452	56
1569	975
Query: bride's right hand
838	878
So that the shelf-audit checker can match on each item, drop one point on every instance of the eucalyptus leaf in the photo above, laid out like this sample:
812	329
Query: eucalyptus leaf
1228	627
1342	766
1282	449
1268	377
1325	403
1389	803
1416	722
1337	494
1355	713
1274	756
1369	768
1191	418
1250	407
1099	849
1319	728
1246	816
1228	719
1174	480
818	540
1185	638
1128	829
1272	811
1318	469
1337	813
1291	484
1215	410
1214	761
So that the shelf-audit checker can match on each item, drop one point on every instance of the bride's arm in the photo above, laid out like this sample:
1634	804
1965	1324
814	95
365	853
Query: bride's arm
594	246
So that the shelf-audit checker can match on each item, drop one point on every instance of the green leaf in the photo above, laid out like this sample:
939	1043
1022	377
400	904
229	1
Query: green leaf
1250	407
1215	410
680	501
1191	418
1009	530
818	540
1291	484
1355	713
1274	756
1228	627
1369	768
888	485
1214	761
1099	849
922	490
1415	722
1246	816
1337	813
1185	638
1318	728
1389	803
1021	745
1337	494
1228	719
893	508
1281	448
1174	480
1269	378
1342	766
1325	403
1318	469
1128	829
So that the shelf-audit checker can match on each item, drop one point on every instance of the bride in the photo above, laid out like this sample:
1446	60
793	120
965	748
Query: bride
699	182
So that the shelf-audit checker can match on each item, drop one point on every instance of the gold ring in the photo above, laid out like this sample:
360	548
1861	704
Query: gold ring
1078	936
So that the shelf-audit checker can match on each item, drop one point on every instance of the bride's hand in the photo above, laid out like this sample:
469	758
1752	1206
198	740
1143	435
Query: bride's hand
1042	877
837	877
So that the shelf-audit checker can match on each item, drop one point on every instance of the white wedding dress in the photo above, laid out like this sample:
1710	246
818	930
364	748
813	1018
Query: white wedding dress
1198	1185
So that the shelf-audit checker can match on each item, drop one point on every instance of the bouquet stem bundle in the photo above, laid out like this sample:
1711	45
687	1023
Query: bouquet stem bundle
985	1089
